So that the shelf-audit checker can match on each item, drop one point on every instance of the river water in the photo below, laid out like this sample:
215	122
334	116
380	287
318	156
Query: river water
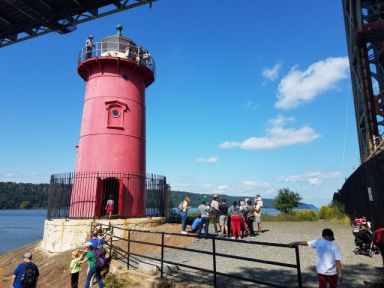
20	227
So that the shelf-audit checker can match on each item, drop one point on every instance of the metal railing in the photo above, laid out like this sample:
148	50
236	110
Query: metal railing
125	255
120	49
61	203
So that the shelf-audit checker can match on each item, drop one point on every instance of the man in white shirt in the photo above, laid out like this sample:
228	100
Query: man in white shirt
328	258
215	212
258	205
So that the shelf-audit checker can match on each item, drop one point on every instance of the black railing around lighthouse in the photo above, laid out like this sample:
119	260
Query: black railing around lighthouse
156	189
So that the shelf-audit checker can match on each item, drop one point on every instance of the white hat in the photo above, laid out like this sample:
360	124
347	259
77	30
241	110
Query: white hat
87	244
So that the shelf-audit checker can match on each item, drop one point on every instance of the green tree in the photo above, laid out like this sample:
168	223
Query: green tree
286	200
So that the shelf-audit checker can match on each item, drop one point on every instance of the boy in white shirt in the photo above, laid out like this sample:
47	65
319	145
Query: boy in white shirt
328	258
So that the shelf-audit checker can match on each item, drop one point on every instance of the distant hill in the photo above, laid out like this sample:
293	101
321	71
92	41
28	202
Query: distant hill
196	198
23	195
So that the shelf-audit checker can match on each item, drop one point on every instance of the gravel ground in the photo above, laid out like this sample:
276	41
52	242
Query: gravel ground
357	269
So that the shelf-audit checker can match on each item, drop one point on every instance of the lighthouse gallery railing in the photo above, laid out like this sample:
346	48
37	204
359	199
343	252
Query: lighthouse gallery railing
120	49
156	191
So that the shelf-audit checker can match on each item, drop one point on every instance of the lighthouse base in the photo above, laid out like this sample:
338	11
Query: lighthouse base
62	235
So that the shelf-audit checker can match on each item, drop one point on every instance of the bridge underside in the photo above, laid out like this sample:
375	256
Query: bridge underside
24	19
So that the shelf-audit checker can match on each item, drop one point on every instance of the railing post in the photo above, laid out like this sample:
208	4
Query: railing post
299	280
162	255
110	246
214	261
128	248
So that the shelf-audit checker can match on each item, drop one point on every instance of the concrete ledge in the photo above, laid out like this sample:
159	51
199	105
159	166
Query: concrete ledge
66	234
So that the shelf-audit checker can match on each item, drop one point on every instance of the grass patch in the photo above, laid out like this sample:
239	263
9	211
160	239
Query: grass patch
293	216
112	281
334	213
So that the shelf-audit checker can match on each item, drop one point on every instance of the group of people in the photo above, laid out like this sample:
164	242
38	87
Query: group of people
235	221
26	274
94	254
132	52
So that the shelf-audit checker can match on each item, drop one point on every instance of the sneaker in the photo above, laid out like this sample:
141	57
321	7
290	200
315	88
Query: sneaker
184	232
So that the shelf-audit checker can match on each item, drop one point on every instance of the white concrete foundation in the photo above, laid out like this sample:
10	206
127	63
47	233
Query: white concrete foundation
62	235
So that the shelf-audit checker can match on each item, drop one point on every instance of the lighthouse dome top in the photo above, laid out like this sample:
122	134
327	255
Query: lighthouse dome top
117	41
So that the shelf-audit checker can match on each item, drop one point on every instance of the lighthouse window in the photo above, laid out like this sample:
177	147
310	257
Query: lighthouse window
115	113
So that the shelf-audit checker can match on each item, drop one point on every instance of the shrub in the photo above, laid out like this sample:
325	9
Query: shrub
333	210
286	200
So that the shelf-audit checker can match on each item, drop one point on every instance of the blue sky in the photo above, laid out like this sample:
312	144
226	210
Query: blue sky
250	97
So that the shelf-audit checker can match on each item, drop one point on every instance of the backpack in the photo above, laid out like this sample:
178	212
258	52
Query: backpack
28	278
100	257
180	207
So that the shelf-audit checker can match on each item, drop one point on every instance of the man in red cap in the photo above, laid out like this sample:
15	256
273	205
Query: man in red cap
328	258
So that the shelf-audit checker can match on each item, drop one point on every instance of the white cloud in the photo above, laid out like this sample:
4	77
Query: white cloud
303	86
14	176
277	135
223	188
208	160
250	184
311	178
271	73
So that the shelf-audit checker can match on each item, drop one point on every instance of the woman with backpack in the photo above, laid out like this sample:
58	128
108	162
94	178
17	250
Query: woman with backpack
90	257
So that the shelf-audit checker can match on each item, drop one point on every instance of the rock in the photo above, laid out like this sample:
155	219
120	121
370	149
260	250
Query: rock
152	267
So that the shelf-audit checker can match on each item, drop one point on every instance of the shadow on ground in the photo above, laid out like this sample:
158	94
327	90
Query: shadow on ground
284	278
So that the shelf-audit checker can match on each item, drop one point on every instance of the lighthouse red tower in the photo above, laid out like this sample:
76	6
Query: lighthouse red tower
111	149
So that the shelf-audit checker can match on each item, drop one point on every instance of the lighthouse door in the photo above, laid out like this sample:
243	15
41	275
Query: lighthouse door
110	191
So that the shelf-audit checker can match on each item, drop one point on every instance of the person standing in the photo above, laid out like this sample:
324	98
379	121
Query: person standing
215	212
90	257
110	206
26	274
250	217
258	205
75	268
223	218
89	46
204	212
234	213
184	214
328	258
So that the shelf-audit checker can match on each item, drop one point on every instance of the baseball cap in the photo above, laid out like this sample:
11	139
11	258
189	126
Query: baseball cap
87	244
28	255
90	36
328	234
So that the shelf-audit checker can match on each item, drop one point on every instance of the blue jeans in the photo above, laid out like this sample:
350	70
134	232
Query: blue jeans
89	277
184	220
204	224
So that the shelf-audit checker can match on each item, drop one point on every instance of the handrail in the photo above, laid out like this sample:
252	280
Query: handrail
213	253
119	49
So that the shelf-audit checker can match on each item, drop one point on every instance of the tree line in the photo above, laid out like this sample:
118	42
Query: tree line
23	195
28	196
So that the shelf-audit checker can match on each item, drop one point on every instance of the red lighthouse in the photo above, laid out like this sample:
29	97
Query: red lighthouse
111	151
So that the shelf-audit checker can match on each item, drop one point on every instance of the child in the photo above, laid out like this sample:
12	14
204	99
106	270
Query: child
109	207
75	268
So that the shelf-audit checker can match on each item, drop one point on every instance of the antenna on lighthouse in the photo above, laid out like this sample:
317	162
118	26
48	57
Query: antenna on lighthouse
119	28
